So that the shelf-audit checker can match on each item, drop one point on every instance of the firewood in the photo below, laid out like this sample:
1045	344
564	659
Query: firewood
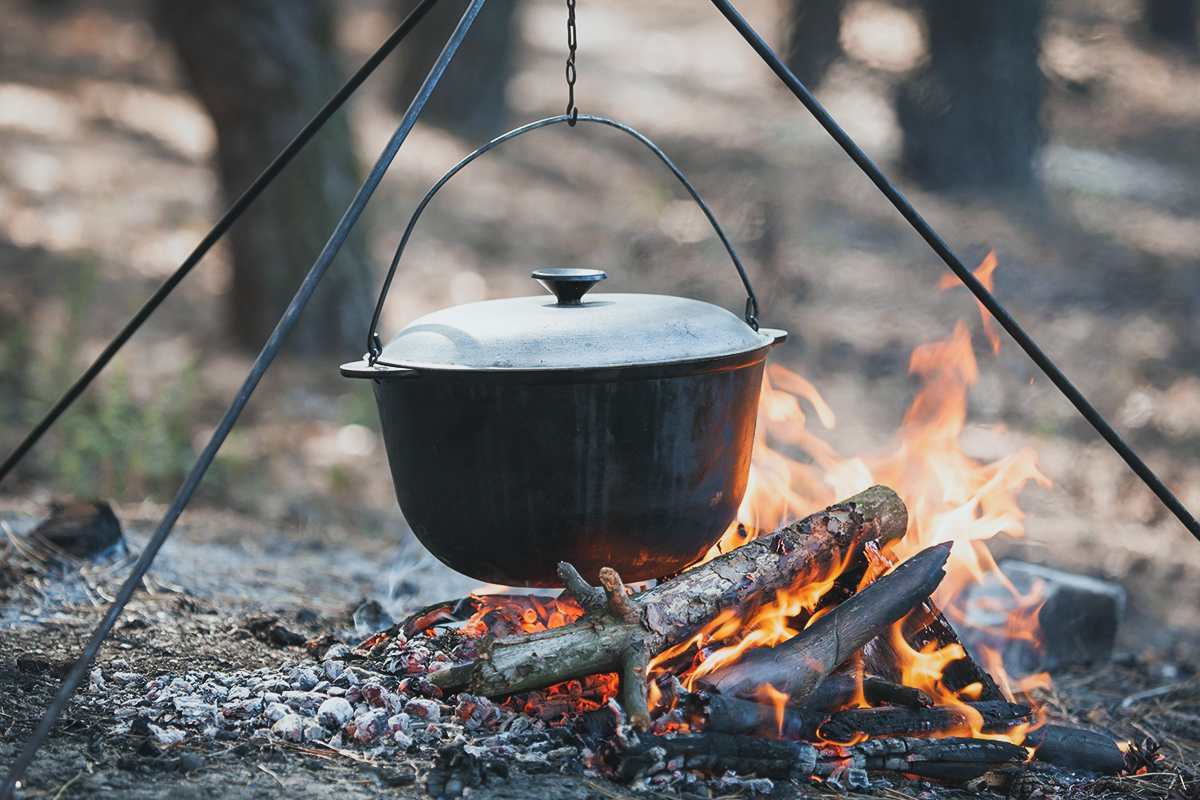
743	579
589	597
637	755
952	758
1076	749
717	713
924	626
841	689
798	666
996	716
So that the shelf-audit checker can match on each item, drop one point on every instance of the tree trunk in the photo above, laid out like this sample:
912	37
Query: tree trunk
262	68
1173	21
470	99
971	118
812	43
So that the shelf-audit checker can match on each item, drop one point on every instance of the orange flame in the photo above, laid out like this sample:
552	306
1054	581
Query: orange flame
984	273
950	497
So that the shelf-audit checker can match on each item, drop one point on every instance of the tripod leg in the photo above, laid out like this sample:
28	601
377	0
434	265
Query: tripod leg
73	679
985	297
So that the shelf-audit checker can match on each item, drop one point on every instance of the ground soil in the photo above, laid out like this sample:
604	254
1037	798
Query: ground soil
106	183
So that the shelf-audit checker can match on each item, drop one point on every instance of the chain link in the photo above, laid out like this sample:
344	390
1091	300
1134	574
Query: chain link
572	42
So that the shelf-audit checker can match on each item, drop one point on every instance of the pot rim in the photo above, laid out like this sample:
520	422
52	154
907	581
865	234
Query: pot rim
382	370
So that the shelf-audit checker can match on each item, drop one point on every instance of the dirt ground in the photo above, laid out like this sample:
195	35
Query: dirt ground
106	184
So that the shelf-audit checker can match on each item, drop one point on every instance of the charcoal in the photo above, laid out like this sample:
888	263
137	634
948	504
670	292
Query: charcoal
370	617
303	678
276	711
334	712
297	729
423	710
368	727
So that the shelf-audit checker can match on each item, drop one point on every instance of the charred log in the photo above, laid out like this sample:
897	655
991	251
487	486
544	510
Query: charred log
842	689
1076	749
926	626
953	758
745	579
798	666
720	714
637	755
853	724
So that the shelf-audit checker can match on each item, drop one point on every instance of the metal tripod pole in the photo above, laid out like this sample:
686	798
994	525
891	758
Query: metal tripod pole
985	297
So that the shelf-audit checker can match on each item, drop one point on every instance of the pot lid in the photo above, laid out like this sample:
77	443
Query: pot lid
542	333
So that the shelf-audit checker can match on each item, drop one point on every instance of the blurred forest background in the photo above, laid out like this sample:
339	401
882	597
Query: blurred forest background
1063	134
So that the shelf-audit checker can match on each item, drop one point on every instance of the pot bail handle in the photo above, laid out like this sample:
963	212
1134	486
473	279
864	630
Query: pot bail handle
375	344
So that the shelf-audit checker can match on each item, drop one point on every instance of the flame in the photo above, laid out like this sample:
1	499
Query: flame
950	497
984	273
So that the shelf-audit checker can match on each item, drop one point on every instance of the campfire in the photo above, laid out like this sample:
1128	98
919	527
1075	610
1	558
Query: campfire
824	649
817	642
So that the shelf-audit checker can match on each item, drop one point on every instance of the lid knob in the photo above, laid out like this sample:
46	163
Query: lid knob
569	284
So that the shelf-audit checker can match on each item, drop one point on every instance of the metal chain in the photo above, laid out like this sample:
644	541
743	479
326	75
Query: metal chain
572	42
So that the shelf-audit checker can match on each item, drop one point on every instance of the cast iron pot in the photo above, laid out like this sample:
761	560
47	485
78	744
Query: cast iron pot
614	430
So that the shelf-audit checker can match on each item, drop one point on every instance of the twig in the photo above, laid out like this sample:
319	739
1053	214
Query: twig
63	788
273	775
351	755
622	606
634	688
588	596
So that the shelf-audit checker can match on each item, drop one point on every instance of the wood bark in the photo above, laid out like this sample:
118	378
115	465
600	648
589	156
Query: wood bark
853	724
841	689
717	713
799	666
743	579
262	68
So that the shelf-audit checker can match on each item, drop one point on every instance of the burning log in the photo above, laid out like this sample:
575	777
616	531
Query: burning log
842	689
797	667
589	597
745	579
996	716
721	714
927	626
717	713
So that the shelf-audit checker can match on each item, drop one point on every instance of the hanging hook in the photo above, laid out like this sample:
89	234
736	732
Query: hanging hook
572	42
